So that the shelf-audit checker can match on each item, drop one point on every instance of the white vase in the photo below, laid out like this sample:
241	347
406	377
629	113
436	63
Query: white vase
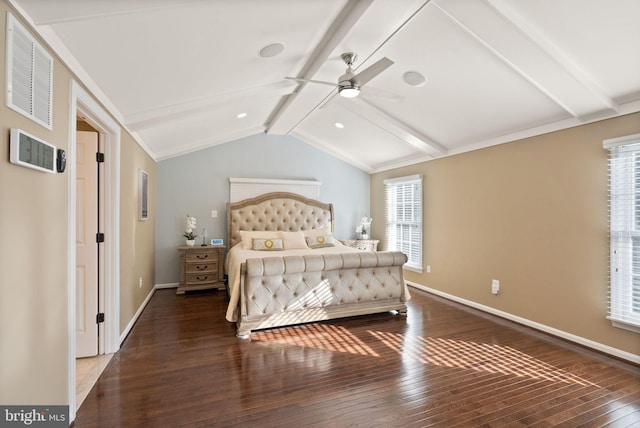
191	242
364	236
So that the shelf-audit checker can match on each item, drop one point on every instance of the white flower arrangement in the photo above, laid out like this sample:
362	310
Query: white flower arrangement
365	224
190	227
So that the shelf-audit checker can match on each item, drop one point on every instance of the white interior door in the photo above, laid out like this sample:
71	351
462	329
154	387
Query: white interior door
86	246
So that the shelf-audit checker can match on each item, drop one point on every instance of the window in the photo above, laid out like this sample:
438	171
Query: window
29	75
624	231
403	218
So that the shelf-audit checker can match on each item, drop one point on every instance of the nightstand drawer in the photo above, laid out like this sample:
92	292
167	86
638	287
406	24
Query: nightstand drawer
203	267
201	278
201	256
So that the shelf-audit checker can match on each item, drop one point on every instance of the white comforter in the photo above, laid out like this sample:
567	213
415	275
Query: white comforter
238	255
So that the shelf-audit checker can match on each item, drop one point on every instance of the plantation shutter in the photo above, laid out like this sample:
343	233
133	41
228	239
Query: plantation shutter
403	218
624	231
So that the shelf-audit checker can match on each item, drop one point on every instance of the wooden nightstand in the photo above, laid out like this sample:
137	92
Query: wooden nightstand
201	268
362	244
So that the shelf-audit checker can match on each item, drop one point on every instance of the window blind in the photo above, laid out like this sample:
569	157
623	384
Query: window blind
624	231
403	217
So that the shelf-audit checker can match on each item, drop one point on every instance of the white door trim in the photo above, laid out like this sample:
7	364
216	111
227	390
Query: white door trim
83	104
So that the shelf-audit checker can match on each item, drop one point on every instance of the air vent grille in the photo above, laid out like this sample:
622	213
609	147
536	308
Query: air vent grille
29	75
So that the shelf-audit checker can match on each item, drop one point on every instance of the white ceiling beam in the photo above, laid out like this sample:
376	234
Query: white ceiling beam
350	14
390	124
193	146
149	118
554	52
332	150
518	45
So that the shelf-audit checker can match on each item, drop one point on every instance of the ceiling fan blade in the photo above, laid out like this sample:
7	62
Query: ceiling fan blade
312	81
369	91
372	71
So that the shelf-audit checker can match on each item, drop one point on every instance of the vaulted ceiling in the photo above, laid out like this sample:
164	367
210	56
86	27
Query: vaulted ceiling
178	73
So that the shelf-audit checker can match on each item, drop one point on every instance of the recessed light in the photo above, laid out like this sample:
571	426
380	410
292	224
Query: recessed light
413	78
339	125
241	115
271	50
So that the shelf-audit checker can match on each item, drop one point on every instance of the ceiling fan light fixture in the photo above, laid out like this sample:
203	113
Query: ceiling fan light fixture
349	92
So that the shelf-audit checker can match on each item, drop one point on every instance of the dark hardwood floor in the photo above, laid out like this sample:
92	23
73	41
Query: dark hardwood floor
442	365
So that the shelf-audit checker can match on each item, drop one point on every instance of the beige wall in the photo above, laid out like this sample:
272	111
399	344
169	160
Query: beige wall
33	252
532	214
137	251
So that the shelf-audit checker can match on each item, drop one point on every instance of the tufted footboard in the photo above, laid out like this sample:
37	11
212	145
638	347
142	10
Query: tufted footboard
278	291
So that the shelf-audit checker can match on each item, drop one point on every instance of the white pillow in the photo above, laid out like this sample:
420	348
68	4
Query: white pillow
324	230
293	240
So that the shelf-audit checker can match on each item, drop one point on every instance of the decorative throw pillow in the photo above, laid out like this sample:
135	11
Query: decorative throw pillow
319	241
267	244
247	236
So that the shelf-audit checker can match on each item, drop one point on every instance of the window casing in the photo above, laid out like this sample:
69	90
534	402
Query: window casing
403	218
624	231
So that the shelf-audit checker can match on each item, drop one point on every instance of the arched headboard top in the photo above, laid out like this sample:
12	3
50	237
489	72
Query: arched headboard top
276	211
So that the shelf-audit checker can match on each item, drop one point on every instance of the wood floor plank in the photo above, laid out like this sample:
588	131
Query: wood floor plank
441	365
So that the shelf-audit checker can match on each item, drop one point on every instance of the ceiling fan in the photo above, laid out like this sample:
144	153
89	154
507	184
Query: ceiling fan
350	84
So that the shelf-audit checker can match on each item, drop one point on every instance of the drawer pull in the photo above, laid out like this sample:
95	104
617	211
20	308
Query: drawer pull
202	256
202	267
201	278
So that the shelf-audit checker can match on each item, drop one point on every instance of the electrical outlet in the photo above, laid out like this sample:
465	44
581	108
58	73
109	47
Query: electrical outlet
495	286
428	268
214	214
140	282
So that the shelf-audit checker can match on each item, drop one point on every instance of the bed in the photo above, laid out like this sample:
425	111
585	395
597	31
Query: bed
275	279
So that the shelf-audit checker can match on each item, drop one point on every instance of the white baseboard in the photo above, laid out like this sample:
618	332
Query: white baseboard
136	316
168	285
618	353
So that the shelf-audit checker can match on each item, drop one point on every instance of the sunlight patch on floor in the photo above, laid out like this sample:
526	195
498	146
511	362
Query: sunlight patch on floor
475	356
320	336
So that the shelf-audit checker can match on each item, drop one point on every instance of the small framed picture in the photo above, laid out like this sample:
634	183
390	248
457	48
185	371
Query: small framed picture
143	195
217	242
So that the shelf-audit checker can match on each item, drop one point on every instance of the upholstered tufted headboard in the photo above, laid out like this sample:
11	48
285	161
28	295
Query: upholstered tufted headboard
276	211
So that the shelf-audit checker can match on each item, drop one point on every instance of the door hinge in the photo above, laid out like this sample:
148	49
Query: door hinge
100	157
99	318
99	237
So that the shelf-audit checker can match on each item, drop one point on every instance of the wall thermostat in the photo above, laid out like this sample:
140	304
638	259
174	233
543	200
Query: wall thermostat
31	152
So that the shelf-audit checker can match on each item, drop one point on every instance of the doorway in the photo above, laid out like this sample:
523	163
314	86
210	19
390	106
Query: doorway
86	107
88	254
